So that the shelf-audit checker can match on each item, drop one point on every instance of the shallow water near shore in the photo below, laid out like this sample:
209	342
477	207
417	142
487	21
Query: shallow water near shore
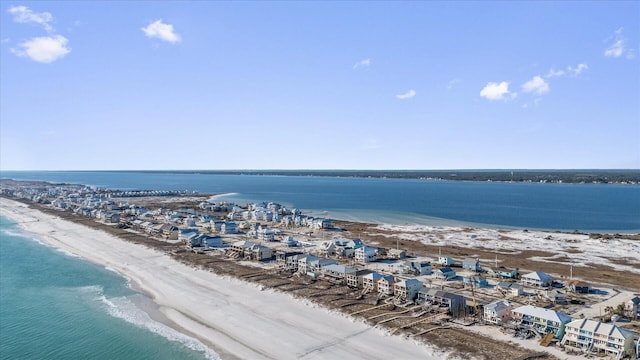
53	305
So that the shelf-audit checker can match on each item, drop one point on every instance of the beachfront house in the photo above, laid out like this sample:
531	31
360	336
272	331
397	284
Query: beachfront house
537	279
209	241
365	254
240	249
497	312
456	304
185	235
385	284
318	264
291	260
260	252
445	273
355	280
337	273
542	320
407	290
169	231
304	263
370	282
282	257
471	264
111	218
593	336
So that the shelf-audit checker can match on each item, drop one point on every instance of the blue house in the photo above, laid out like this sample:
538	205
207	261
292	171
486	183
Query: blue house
445	273
475	281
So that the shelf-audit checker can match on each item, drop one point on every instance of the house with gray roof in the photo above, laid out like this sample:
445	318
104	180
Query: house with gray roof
593	336
542	320
407	290
497	312
537	279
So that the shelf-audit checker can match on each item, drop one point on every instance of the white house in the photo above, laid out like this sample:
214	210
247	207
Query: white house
445	260
337	272
385	284
370	281
304	263
260	252
589	335
365	254
229	227
538	279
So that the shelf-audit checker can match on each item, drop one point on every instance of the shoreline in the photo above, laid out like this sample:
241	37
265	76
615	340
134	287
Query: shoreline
229	306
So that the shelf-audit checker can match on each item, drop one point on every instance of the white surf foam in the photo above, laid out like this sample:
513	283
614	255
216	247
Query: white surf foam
123	308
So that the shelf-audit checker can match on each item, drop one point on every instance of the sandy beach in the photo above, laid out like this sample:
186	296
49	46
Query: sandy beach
235	318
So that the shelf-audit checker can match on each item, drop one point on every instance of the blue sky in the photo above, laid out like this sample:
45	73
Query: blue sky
319	85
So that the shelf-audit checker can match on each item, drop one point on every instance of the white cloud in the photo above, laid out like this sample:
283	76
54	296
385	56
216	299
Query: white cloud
554	73
497	91
23	14
44	49
536	85
619	46
578	69
362	63
162	31
408	95
453	83
615	50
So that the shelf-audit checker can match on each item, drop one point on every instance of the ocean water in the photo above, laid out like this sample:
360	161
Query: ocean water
56	306
585	207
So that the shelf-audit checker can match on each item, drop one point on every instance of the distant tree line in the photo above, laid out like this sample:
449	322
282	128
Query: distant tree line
564	176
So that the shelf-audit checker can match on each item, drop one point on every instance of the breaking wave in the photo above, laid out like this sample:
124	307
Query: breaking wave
123	308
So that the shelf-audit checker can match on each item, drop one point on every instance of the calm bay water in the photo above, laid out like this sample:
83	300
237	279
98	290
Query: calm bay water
55	306
585	207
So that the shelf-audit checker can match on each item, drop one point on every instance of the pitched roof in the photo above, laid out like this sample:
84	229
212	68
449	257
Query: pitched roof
599	328
543	313
373	276
539	275
498	305
339	269
409	282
